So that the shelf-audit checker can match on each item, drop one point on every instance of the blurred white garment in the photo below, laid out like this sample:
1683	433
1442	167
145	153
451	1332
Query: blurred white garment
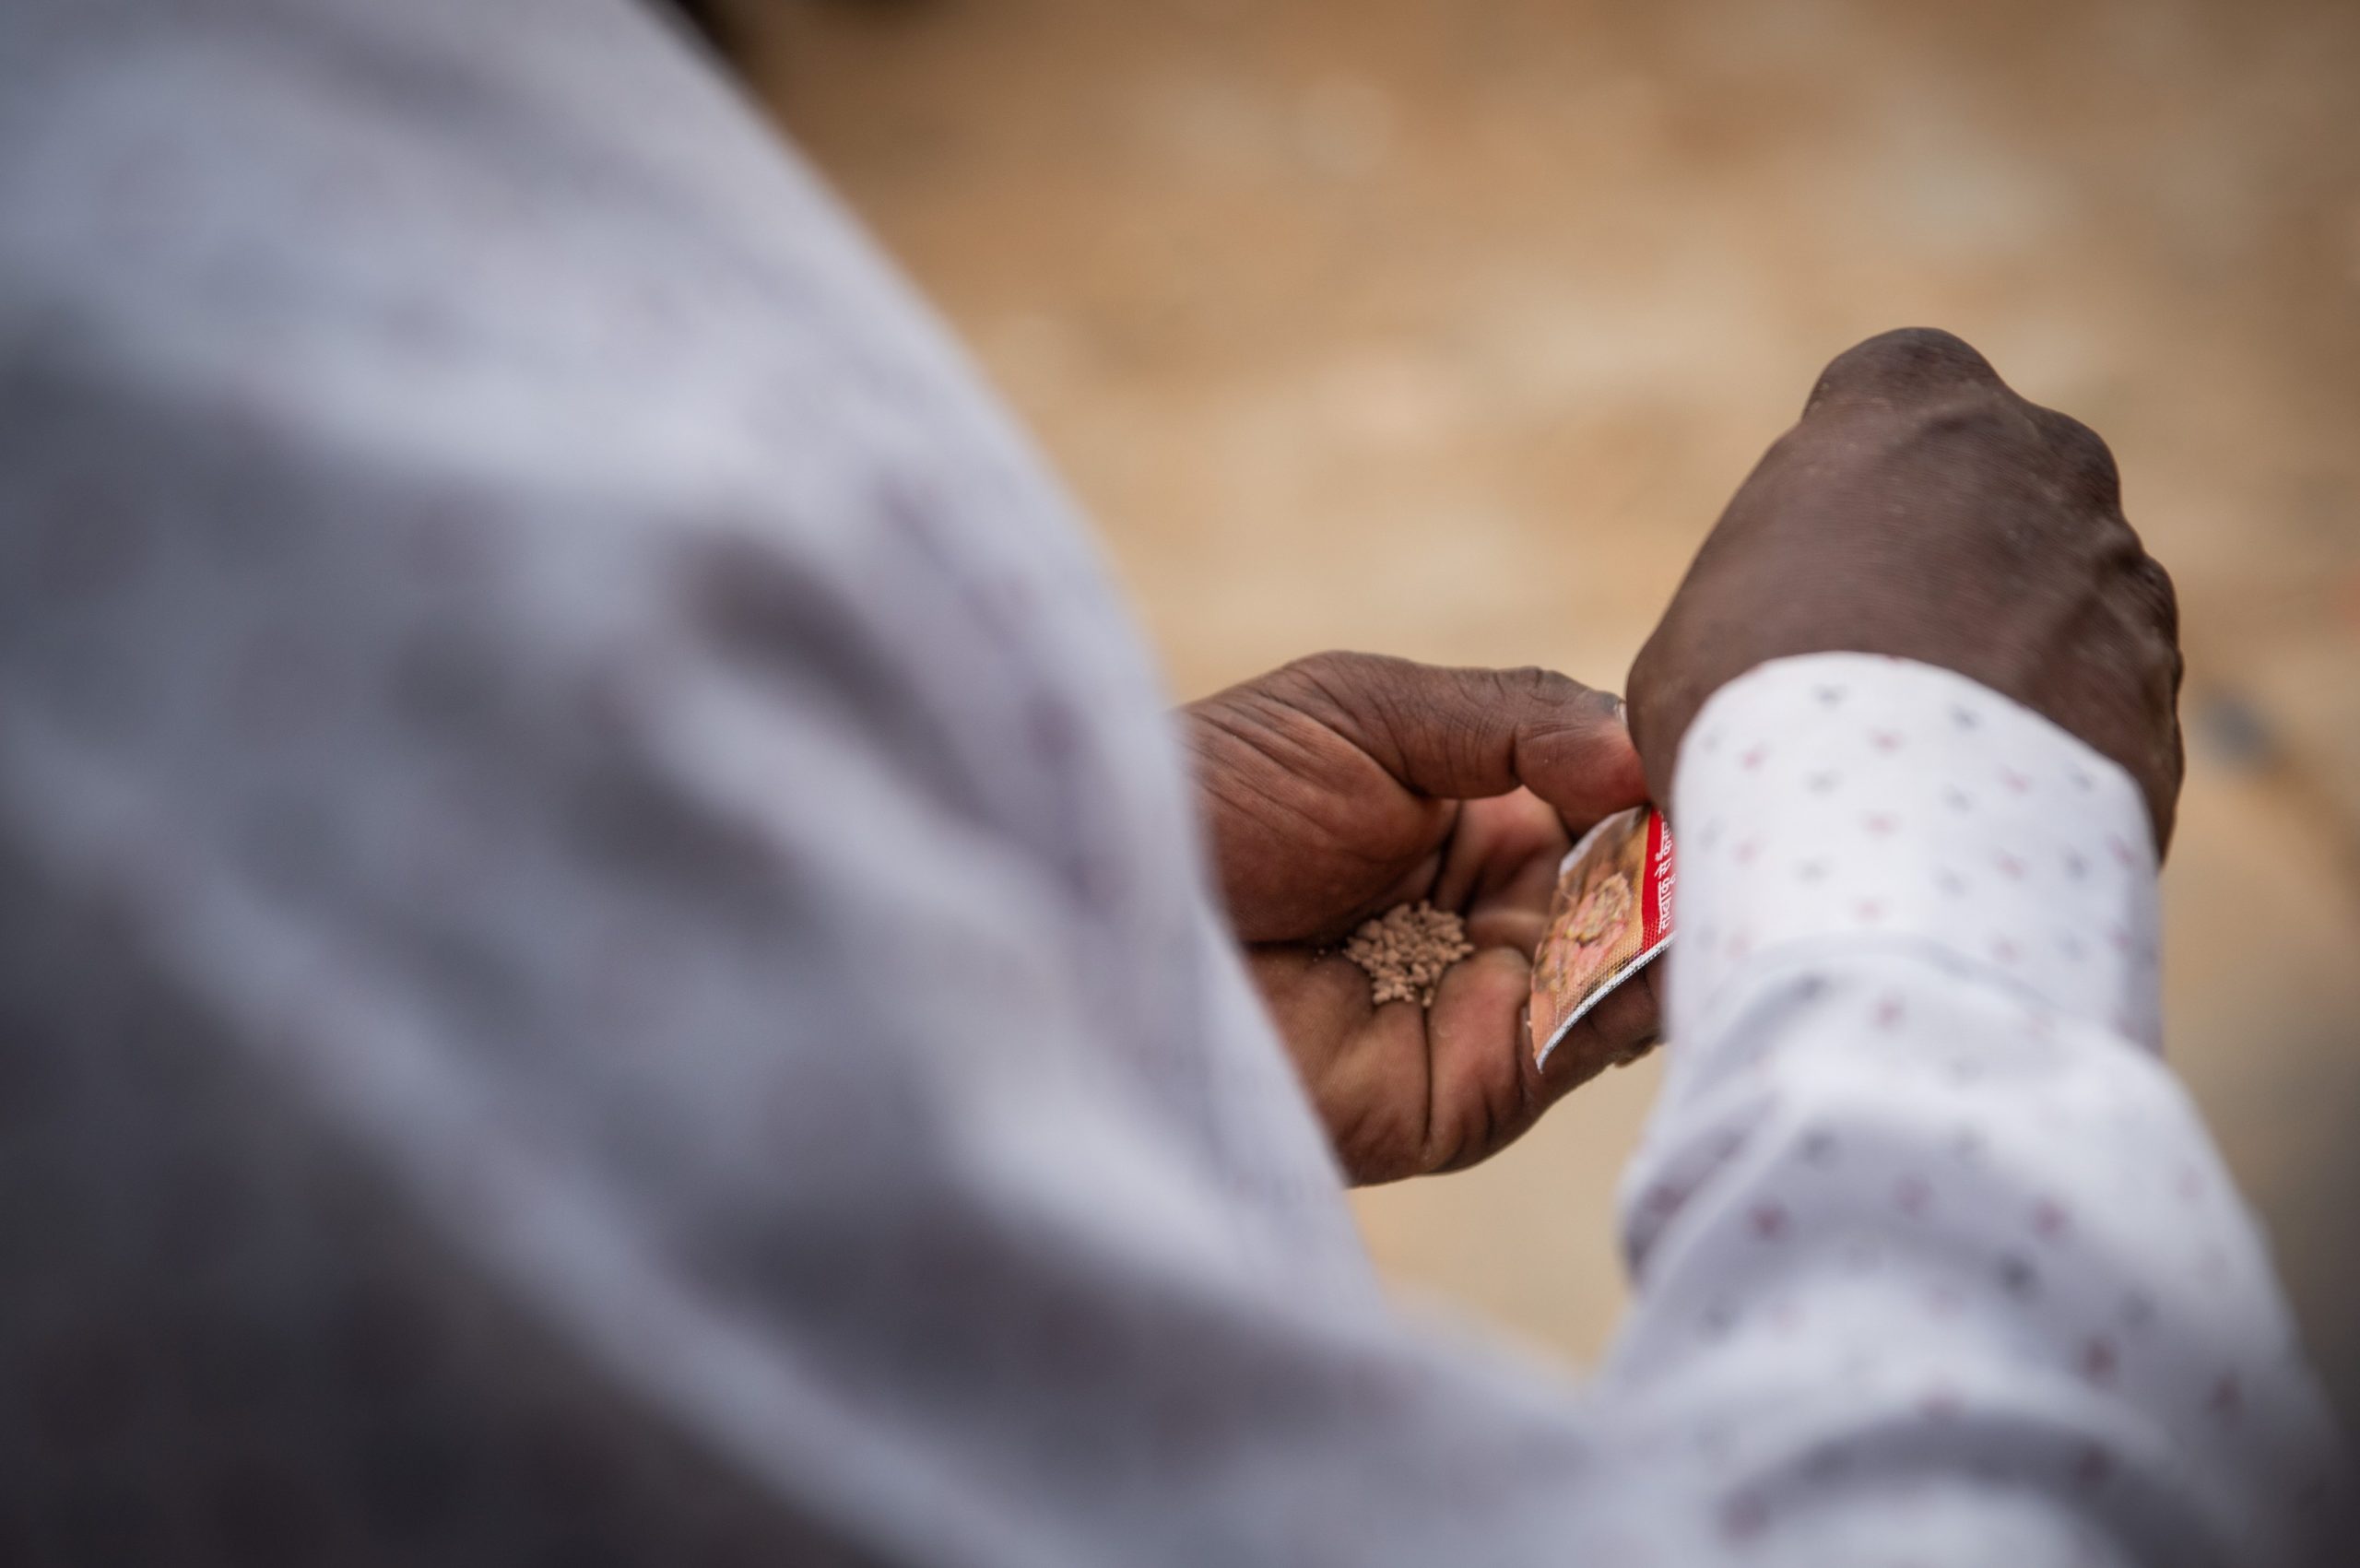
603	955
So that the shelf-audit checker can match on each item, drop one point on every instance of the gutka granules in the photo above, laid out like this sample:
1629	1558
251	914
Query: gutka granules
1404	949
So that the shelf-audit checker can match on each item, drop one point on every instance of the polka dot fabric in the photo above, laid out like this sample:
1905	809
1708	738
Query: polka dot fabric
1891	803
1921	1222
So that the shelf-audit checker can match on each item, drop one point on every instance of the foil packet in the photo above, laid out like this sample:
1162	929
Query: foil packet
1608	920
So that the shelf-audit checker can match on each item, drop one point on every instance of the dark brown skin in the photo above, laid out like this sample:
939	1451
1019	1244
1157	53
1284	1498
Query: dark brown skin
1345	783
1920	508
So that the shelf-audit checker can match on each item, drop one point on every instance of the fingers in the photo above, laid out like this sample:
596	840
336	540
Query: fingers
1405	1090
1624	1026
1916	367
1465	734
1476	1051
1501	868
1318	1001
1485	1090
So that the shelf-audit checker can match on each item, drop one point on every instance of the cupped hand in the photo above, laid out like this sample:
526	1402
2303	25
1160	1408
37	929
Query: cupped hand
1921	509
1346	784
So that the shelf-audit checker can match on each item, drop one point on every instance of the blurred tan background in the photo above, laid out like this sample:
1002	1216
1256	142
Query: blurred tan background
1445	327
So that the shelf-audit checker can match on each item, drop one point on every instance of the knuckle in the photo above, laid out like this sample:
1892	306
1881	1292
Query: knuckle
1329	679
2084	456
1377	700
1542	685
1557	701
2157	597
1974	425
1907	362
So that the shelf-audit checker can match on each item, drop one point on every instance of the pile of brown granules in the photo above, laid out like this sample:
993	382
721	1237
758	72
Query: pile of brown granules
1405	951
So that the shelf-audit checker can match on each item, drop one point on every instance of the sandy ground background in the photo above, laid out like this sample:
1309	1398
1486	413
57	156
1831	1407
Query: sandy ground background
1445	327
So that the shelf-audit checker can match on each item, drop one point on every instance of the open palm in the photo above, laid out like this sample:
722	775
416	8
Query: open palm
1346	784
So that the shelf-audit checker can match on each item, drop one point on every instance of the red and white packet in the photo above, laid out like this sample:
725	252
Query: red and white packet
1609	918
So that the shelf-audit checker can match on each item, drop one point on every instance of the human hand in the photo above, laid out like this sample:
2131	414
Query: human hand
1921	509
1345	783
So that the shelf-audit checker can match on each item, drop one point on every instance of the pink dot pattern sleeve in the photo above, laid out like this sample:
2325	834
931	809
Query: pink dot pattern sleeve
1924	1238
1887	802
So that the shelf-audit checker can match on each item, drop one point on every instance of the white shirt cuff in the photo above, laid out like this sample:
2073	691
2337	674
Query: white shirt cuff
1858	798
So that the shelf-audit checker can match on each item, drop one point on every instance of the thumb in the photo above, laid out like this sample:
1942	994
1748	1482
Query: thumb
1464	734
